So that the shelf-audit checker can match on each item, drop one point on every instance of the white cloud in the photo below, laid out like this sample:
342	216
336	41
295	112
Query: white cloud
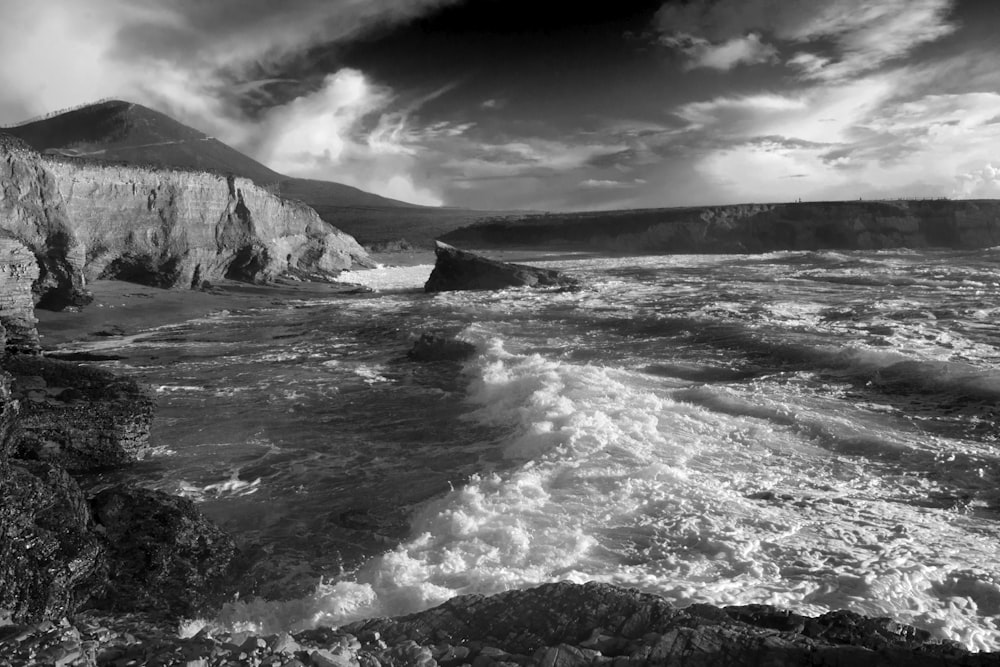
980	183
323	135
878	135
60	53
748	50
607	184
865	34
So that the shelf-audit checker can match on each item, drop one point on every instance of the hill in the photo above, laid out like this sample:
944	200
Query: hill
118	131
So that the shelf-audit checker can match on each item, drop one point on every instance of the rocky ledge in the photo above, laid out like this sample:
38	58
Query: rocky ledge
456	269
555	625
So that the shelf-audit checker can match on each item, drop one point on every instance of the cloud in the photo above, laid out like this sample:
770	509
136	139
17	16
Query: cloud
748	50
980	183
174	57
851	36
883	134
606	184
343	132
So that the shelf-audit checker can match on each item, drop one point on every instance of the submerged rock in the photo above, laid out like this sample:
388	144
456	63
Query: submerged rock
80	417
438	347
166	557
461	270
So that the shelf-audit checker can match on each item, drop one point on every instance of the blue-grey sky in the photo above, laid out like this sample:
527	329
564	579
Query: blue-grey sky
548	104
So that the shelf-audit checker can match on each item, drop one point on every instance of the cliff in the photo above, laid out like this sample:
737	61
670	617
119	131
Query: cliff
852	225
168	228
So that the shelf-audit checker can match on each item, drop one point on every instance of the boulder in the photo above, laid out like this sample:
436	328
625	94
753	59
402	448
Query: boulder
439	347
80	417
166	557
568	624
462	270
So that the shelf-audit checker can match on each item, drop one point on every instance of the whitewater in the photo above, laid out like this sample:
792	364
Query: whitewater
812	430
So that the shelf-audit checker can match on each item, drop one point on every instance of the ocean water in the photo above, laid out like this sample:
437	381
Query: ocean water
817	431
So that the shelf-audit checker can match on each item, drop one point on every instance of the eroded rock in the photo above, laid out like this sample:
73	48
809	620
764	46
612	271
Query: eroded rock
461	270
80	417
166	557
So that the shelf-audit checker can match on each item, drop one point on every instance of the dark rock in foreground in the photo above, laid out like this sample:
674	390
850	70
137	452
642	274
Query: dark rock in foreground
556	625
597	624
461	270
82	418
50	560
438	347
165	556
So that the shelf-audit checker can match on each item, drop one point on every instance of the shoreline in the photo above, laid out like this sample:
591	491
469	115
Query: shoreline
121	308
126	308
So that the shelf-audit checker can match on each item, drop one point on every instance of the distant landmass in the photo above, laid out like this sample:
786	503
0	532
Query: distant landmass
749	228
119	131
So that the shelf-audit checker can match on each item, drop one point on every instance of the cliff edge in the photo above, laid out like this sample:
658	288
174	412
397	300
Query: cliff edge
162	227
750	228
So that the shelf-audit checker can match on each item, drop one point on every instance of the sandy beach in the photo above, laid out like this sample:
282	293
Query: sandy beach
121	308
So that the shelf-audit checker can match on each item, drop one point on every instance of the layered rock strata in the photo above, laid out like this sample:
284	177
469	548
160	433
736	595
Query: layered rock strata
32	211
167	228
18	273
456	269
81	418
750	228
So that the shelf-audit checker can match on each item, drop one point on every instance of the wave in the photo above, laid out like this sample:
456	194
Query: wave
610	478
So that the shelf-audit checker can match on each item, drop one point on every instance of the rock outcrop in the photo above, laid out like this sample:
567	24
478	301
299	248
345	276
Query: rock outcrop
168	228
81	418
165	556
566	625
51	561
749	228
461	270
31	210
18	273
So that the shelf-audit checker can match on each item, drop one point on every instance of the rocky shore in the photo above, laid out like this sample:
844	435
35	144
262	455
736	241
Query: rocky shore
107	576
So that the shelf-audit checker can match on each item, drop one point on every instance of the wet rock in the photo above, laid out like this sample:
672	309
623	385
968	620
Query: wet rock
461	270
561	624
50	560
97	420
165	556
438	347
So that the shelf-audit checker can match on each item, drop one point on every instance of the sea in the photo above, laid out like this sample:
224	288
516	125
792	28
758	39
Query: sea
811	430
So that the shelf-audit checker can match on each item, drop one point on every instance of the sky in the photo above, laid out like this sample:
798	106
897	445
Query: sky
547	104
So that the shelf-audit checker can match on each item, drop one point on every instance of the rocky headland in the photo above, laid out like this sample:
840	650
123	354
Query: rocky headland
750	228
86	220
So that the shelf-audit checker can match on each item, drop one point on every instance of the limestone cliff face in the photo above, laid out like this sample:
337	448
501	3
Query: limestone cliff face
32	212
18	273
168	228
860	225
178	228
